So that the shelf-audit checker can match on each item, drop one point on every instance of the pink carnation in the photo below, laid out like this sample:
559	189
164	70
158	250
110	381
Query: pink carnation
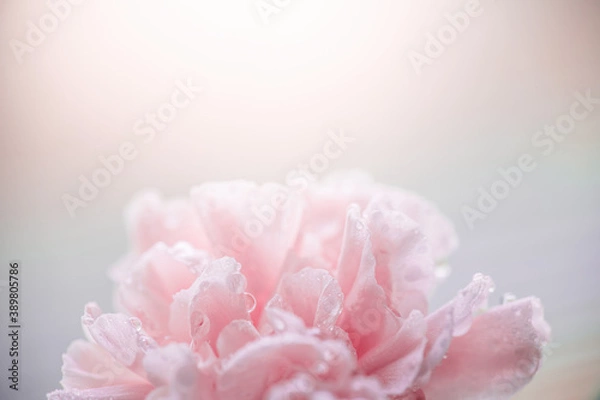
261	292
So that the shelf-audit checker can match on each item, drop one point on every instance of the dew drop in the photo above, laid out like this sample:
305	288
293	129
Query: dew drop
145	343
278	324
320	368
87	320
442	271
305	383
328	355
136	323
250	302
508	298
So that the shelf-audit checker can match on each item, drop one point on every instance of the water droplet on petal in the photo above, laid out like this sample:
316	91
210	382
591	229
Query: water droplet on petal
146	343
136	323
508	298
305	384
320	368
250	302
442	271
278	324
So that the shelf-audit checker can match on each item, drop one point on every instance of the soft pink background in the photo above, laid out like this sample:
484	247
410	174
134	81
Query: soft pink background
271	93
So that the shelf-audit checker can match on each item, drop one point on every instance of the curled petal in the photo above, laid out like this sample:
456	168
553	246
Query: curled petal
313	295
218	298
255	224
250	372
146	289
87	365
453	319
496	357
175	367
118	334
396	361
355	239
404	263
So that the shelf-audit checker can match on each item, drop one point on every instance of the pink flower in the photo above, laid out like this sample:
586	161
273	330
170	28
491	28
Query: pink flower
260	292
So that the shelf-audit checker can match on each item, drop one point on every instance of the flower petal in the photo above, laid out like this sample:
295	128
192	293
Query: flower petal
235	336
87	365
397	360
118	392
404	263
313	295
218	298
453	319
118	334
151	220
175	367
497	356
146	289
255	224
250	372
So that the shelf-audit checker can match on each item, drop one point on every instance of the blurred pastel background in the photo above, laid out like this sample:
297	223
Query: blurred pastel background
271	92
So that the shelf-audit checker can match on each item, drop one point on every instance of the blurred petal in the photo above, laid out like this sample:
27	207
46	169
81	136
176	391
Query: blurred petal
175	367
119	392
151	220
87	365
235	336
